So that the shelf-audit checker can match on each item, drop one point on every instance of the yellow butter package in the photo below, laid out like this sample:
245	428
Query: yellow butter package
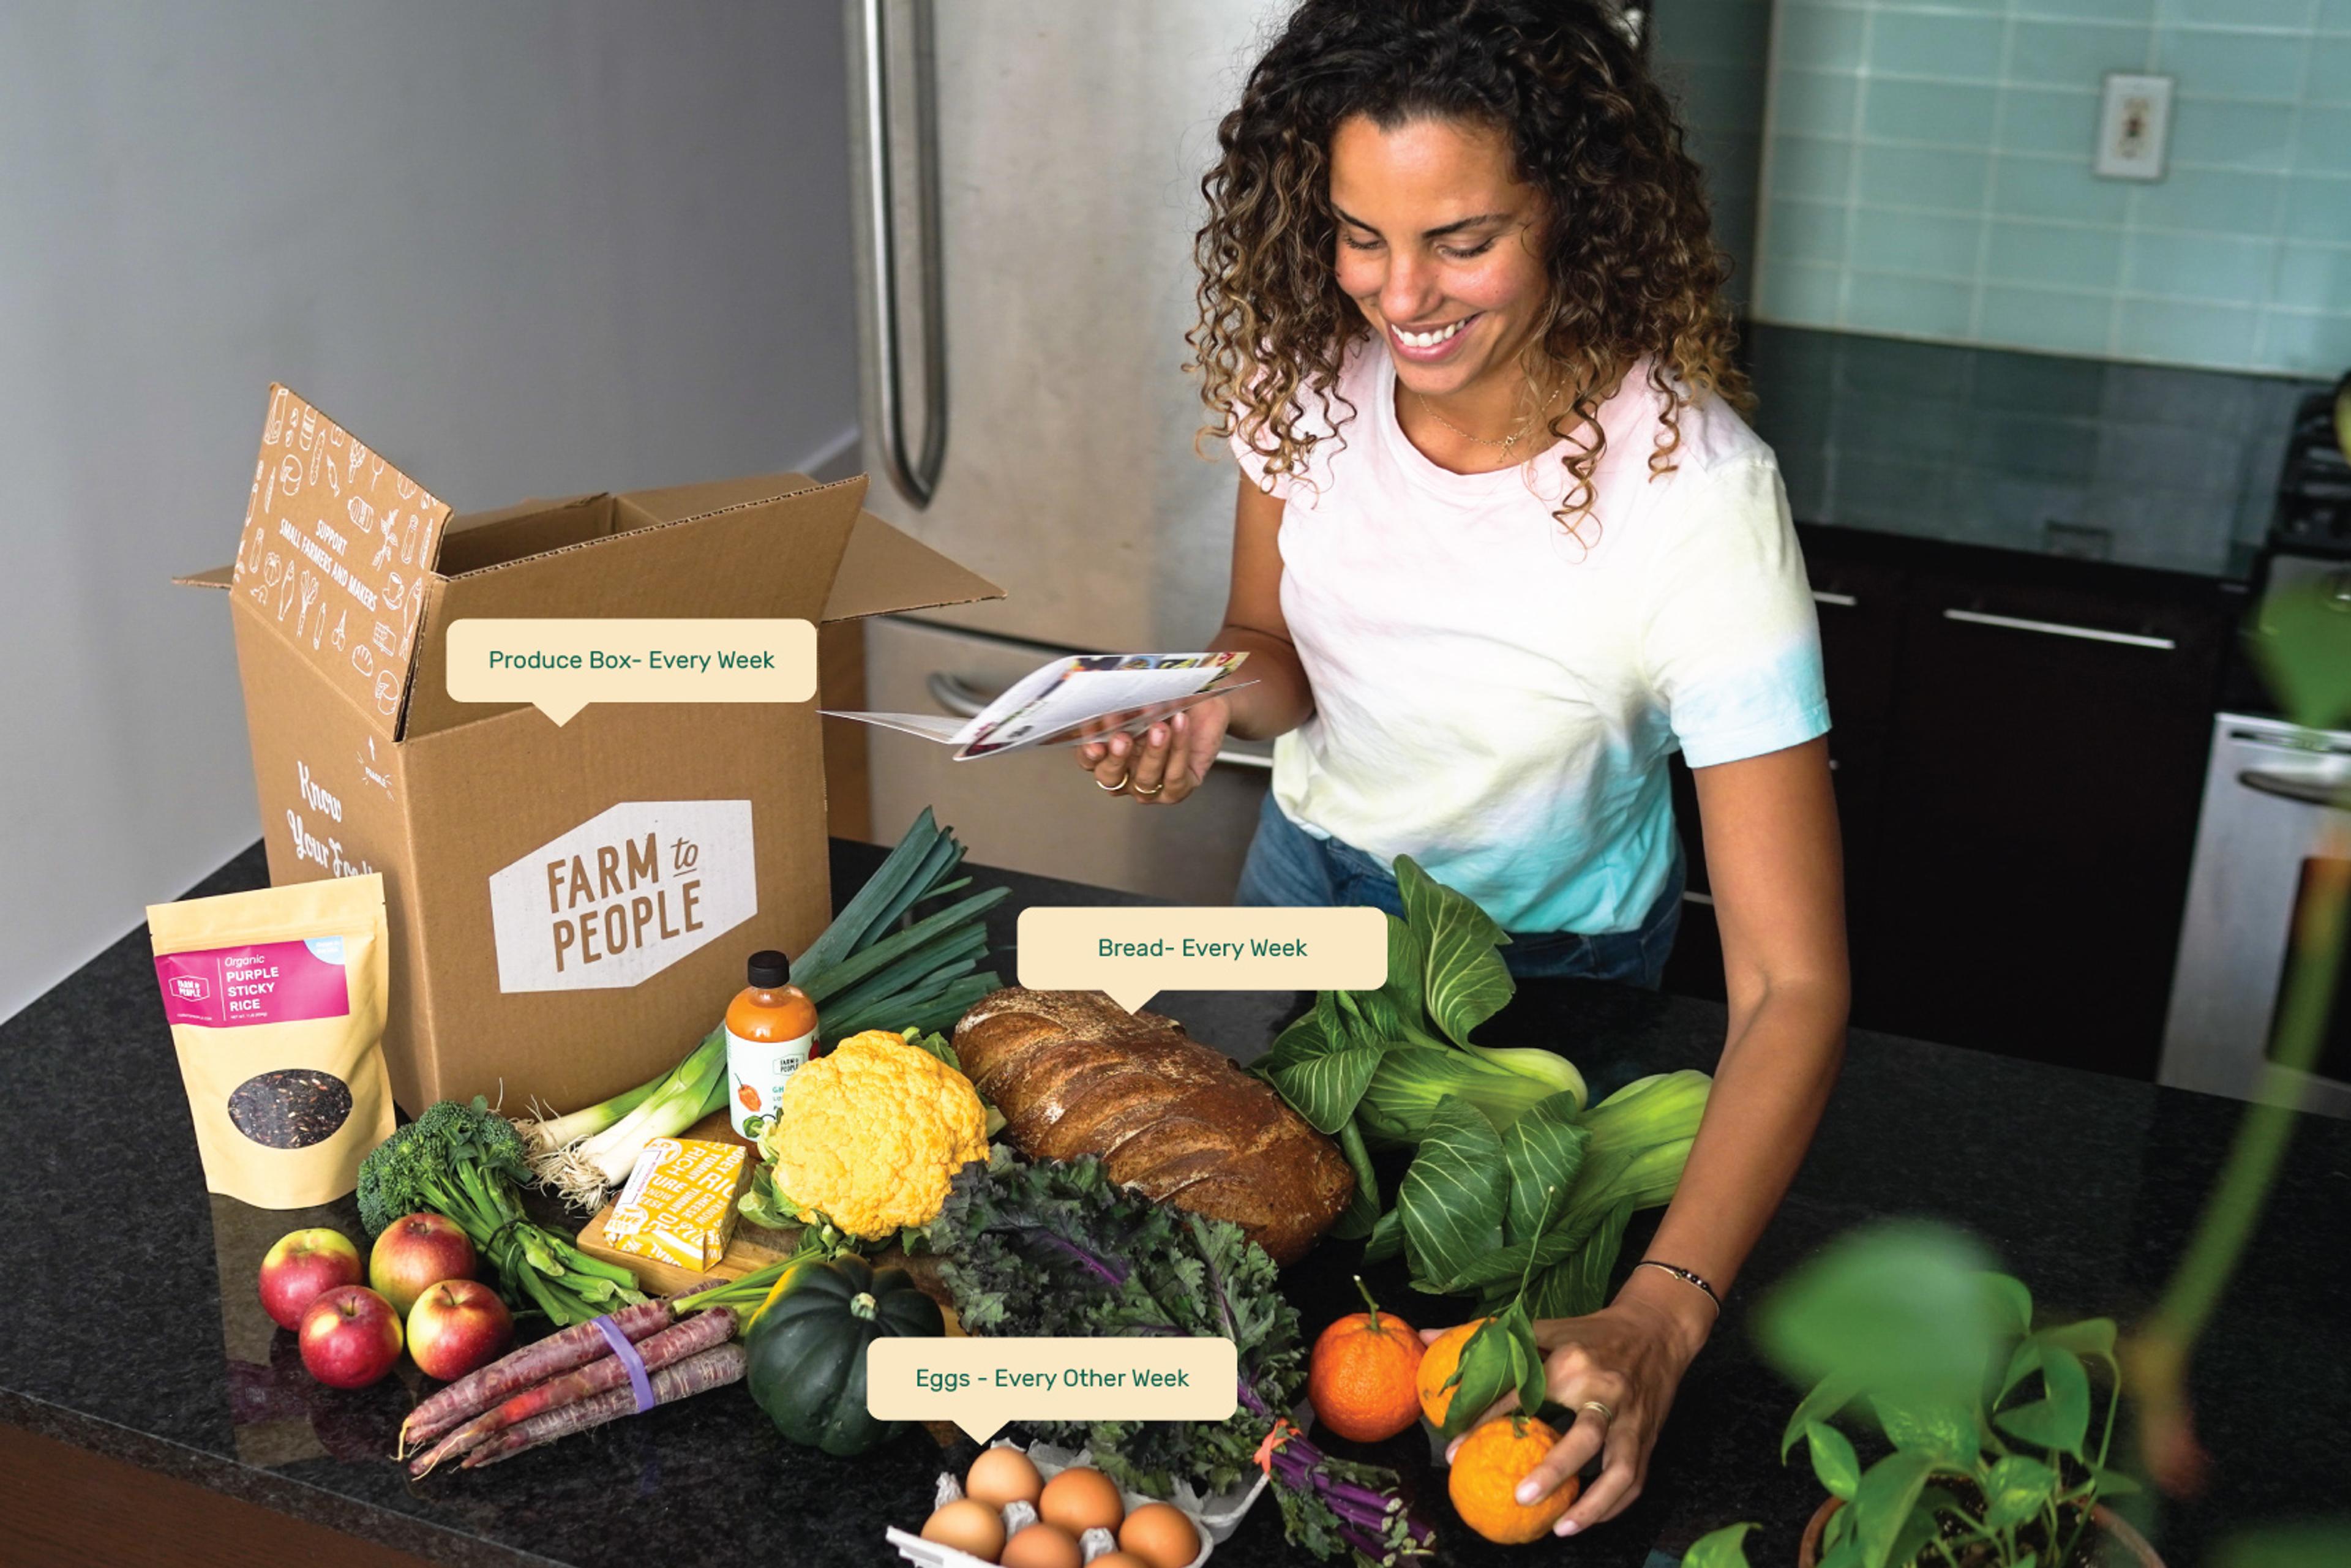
276	999
679	1205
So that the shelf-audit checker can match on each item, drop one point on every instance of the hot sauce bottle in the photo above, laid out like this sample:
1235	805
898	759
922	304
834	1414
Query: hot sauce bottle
770	1028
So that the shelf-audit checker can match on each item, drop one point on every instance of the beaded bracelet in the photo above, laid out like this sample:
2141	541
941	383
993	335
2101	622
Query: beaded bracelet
1685	1277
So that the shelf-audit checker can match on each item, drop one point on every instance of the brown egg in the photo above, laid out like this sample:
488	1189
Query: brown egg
1042	1546
1003	1475
1078	1500
1118	1559
967	1526
1159	1534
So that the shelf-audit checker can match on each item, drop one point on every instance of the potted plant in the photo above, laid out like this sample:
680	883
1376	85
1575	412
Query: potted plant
1991	1433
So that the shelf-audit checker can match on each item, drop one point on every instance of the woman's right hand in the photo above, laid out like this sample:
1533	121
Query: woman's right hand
1166	762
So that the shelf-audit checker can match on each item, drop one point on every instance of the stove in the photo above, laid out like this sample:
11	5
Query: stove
2313	501
2274	828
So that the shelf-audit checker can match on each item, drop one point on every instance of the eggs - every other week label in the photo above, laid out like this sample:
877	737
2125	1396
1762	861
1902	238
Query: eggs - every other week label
982	1383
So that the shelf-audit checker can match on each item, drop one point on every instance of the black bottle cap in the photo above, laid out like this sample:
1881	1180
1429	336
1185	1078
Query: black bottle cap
769	969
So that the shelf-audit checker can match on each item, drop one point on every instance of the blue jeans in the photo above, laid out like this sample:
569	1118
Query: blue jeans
1288	866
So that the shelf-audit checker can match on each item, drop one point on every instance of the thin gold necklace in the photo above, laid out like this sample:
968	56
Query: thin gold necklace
1507	441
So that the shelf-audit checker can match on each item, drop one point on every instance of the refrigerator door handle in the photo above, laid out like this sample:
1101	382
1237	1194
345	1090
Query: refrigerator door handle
957	697
917	478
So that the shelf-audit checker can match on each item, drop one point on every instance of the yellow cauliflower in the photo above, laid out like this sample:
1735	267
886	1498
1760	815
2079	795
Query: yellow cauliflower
868	1135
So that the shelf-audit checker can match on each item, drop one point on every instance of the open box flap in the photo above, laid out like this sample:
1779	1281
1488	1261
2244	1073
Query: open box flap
336	549
884	570
772	554
474	540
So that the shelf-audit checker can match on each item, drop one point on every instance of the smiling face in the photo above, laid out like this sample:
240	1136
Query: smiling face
1440	244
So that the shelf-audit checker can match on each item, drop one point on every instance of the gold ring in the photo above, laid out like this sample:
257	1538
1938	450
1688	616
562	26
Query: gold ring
1607	1416
1141	790
1113	789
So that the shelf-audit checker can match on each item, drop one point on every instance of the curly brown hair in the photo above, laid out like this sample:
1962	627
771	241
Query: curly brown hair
1635	273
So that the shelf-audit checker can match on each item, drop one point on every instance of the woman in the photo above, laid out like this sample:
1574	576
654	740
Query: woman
1501	546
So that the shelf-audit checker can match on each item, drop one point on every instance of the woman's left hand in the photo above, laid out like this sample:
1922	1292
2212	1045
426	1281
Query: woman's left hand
1628	1356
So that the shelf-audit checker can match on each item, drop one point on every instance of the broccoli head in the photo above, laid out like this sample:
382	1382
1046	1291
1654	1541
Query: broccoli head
424	1166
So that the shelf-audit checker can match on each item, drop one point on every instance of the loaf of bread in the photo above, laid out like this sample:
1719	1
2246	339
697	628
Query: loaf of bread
1075	1073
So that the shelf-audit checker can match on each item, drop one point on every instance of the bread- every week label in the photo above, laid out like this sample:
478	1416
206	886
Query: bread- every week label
981	1384
1135	954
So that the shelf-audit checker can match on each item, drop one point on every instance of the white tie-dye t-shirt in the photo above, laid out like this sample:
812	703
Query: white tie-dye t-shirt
1496	697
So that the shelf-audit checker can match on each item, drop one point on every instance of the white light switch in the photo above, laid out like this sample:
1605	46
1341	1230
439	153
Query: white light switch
2134	127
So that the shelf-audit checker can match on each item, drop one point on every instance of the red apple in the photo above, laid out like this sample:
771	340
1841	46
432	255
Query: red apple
416	1253
303	1267
351	1337
456	1326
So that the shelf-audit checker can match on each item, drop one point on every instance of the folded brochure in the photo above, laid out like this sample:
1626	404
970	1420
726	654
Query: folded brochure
1069	701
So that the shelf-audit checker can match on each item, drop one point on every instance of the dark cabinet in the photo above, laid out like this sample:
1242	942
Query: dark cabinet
2019	747
1860	607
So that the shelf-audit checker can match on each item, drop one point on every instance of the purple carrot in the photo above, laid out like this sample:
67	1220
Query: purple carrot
694	1375
533	1363
695	1334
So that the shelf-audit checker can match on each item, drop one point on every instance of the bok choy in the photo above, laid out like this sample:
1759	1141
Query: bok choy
884	963
1518	1193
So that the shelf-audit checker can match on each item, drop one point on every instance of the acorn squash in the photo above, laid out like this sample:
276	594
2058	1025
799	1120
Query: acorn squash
807	1349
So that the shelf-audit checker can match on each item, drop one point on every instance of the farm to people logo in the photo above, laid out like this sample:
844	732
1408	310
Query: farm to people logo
623	895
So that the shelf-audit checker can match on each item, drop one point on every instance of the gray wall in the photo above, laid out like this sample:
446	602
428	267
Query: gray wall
532	247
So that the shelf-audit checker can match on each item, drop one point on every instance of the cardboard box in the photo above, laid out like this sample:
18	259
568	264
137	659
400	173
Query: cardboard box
695	832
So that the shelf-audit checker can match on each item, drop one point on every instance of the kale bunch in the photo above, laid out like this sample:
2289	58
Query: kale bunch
1056	1247
467	1163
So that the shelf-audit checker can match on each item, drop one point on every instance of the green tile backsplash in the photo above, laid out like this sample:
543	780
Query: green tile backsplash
2152	464
1924	172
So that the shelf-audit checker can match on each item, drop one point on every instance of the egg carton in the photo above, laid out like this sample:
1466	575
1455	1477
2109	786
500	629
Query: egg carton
1215	1517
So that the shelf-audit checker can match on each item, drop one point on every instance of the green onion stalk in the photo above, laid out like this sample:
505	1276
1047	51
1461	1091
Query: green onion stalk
748	1293
586	1155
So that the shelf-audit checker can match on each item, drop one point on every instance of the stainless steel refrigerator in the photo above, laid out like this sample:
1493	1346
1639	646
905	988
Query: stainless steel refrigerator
1027	185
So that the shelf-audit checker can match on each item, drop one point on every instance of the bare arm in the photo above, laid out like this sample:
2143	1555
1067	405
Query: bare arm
1776	868
1280	701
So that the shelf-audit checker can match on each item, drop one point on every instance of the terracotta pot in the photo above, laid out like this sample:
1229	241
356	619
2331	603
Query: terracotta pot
2111	1525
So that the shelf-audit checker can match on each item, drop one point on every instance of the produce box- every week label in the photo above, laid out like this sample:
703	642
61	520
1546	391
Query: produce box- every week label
261	982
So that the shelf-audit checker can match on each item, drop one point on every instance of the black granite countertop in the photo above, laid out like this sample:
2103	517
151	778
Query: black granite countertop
131	1329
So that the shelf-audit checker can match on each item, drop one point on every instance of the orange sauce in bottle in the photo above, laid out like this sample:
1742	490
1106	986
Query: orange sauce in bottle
770	1029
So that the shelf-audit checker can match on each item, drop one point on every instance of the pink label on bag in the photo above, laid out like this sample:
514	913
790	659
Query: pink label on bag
260	982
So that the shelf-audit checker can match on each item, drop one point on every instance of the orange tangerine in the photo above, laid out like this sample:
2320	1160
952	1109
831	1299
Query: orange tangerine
1359	1378
1436	1366
1487	1470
